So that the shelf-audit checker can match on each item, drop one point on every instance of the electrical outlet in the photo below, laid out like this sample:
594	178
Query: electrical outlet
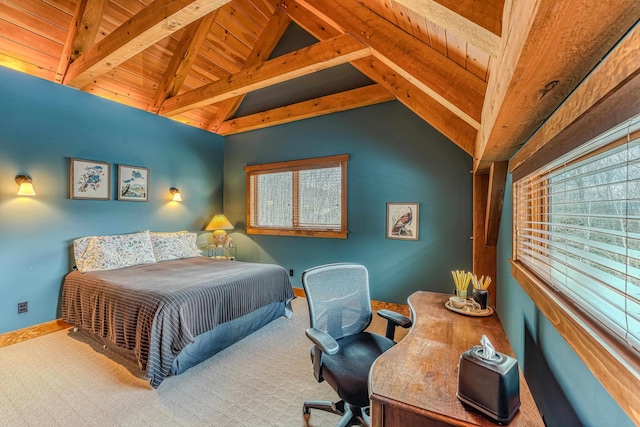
291	272
23	307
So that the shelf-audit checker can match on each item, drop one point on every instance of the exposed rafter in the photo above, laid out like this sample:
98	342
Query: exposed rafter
617	67
82	33
183	58
264	46
441	78
156	21
327	54
347	100
495	196
433	56
480	22
529	82
430	110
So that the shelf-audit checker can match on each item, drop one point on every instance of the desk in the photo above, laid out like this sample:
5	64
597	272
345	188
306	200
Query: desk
415	382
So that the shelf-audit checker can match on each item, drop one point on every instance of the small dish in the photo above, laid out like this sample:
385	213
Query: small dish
457	302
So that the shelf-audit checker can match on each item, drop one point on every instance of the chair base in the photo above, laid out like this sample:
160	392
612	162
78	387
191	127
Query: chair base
351	415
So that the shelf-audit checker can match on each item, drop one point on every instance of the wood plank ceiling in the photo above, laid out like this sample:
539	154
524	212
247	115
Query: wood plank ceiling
485	73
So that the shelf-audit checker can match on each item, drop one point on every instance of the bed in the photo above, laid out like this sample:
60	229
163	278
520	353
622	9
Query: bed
169	314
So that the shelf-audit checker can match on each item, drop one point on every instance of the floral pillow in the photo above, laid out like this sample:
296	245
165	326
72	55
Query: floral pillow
178	245
109	252
90	255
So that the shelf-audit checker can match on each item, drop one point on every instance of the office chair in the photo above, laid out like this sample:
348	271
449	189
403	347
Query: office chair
339	312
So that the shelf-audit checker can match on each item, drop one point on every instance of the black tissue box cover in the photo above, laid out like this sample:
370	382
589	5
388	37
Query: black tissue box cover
490	386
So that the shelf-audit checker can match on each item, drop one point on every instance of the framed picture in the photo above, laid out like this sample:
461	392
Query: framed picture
133	183
89	180
402	221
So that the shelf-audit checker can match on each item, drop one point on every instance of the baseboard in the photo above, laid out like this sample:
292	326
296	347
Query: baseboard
376	305
30	332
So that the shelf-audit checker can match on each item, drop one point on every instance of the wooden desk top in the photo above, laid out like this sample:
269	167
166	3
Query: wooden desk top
420	373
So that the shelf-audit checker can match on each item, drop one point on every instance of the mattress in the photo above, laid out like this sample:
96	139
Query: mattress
156	310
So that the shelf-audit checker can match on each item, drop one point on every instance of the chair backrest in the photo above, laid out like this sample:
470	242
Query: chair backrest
338	298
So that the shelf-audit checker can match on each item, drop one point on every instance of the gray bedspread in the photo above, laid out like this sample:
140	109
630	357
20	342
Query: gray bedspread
155	310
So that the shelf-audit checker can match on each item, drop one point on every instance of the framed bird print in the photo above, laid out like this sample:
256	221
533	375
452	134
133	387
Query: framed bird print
133	183
402	221
89	180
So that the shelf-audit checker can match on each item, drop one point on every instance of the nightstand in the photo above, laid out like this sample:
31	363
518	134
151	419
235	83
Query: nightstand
226	252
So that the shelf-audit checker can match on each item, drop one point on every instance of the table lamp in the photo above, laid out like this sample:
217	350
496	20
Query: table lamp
219	223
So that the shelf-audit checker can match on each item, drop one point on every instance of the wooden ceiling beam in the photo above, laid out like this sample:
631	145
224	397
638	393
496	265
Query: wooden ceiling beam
618	67
486	13
428	109
542	60
183	58
156	21
316	57
347	100
441	78
317	26
88	27
478	22
270	5
267	41
495	197
82	33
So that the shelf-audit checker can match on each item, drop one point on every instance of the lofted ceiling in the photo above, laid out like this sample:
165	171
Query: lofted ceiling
485	73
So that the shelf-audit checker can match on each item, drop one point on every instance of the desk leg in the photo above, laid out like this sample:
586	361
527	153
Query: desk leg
377	413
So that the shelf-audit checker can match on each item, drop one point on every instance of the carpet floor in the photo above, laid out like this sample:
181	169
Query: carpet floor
61	379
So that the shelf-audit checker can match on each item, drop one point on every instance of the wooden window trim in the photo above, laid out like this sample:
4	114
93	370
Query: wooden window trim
317	162
296	165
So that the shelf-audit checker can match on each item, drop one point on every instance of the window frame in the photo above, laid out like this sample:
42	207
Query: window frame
602	350
532	213
295	166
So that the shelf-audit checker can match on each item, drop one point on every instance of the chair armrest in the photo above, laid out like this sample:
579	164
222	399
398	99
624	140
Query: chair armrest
397	318
324	341
394	319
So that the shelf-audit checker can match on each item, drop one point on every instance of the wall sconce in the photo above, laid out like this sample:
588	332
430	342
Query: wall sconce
176	195
219	223
26	186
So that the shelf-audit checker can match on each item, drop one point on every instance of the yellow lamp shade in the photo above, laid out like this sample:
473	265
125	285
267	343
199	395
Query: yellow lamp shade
219	222
26	186
176	195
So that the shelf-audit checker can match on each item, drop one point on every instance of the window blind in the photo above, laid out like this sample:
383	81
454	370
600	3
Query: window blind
298	199
578	228
304	197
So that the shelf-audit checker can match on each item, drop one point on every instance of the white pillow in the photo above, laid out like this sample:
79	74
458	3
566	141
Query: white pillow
178	245
94	253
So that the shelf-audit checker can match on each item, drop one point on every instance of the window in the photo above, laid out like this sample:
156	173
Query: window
578	228
298	198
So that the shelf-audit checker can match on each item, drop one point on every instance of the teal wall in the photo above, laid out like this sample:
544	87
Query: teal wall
42	125
565	390
394	157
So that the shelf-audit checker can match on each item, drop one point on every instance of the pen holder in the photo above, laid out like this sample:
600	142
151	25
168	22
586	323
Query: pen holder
481	296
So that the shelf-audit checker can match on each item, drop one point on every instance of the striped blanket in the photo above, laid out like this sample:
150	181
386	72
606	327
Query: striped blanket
155	310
